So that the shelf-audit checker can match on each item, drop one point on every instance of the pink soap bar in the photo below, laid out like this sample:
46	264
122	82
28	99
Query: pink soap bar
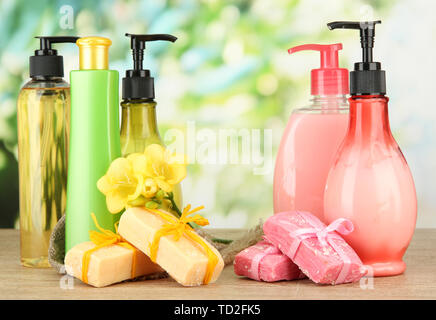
320	253
265	262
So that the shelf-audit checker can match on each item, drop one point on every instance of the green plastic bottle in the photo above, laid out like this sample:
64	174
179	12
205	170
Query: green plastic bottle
94	139
138	118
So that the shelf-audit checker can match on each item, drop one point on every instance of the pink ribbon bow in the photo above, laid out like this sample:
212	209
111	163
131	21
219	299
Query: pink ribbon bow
325	235
255	263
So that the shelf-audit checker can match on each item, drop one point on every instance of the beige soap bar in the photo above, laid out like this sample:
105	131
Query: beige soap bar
109	264
184	260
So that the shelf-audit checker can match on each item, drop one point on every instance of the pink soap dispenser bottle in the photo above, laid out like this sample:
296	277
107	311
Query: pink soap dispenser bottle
312	137
370	182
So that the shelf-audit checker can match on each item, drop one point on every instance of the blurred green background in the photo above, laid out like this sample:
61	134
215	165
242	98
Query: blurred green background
230	69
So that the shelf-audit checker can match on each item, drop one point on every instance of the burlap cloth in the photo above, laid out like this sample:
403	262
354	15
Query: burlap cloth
56	251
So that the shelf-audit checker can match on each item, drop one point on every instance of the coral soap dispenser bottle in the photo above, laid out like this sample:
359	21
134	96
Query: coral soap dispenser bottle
370	182
312	137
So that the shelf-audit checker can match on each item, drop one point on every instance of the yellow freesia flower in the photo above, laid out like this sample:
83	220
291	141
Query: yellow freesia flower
166	169
120	184
139	162
150	188
141	174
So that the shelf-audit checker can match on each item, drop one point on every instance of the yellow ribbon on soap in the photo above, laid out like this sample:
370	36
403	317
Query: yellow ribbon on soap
102	239
179	227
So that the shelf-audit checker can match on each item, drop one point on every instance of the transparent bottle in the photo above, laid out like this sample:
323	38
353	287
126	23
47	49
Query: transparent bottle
138	117
43	132
312	137
138	125
139	129
306	153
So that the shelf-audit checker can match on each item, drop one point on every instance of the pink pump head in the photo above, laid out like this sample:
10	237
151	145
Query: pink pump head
329	79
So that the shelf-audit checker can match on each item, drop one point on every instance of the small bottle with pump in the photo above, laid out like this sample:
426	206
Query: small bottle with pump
138	118
94	139
43	126
370	182
312	137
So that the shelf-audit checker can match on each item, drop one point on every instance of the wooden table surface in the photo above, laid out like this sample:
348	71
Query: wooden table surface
418	282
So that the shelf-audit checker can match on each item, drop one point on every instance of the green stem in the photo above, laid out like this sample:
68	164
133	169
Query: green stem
174	207
219	240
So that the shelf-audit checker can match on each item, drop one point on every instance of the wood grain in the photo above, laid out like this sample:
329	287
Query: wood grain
418	282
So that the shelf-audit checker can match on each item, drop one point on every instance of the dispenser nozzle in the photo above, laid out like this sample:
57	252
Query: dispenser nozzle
138	40
367	77
329	79
46	42
329	53
138	84
137	43
367	33
46	62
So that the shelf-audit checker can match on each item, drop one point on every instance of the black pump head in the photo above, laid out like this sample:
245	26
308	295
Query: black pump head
367	77
138	84
46	62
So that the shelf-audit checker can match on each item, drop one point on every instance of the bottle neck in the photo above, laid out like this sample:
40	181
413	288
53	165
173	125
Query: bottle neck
369	119
326	104
47	78
138	119
43	82
329	100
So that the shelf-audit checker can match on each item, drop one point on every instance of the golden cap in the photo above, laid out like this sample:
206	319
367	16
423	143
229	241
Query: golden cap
93	53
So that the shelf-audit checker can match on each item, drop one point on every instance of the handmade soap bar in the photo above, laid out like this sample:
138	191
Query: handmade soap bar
184	260
108	265
265	262
319	251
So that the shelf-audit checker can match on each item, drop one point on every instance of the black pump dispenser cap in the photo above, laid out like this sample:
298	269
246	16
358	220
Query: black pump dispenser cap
367	77
138	84
46	62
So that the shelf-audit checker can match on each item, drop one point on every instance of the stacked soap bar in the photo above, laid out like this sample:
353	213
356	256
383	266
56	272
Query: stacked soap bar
322	254
184	260
265	262
108	265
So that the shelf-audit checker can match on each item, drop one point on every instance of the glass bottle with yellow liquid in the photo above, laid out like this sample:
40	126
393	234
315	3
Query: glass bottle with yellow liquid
43	128
138	107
